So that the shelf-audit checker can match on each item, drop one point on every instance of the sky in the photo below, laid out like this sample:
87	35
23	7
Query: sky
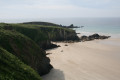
23	9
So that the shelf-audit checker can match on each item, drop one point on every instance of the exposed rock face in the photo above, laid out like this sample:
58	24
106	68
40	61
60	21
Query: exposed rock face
57	34
47	44
104	37
64	35
26	50
84	38
92	37
45	67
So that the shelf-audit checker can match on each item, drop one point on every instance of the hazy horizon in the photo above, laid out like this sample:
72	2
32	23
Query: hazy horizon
29	9
67	21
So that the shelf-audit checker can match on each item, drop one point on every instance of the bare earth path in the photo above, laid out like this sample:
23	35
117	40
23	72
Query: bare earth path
92	60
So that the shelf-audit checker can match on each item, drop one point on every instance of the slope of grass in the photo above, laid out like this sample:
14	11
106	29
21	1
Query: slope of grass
11	68
25	49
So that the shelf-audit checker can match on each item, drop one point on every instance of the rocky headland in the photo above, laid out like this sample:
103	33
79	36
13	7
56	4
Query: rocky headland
27	44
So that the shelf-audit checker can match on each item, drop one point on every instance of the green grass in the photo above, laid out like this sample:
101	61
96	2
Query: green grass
32	30
23	47
12	68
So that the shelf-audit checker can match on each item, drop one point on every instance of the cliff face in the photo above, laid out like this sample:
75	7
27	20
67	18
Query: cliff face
26	50
64	35
54	32
43	35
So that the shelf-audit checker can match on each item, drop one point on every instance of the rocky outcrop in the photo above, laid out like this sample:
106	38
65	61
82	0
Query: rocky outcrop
46	44
84	38
65	35
92	37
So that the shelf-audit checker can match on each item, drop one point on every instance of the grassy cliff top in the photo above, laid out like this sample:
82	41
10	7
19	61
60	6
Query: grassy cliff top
37	33
33	26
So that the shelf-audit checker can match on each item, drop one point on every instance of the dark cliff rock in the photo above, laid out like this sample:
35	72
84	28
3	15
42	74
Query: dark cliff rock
92	37
58	33
84	38
47	45
26	50
64	35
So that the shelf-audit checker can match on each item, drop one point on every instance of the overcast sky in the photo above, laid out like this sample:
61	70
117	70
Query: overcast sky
58	8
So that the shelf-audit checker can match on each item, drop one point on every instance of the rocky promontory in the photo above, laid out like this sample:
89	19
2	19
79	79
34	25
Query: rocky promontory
28	42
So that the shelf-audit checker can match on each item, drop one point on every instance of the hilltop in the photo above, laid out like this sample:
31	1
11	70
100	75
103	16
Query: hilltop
42	23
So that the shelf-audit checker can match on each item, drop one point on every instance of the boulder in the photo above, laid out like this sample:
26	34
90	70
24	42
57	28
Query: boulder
104	37
95	36
84	38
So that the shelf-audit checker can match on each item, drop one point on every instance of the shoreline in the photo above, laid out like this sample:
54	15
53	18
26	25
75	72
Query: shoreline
90	60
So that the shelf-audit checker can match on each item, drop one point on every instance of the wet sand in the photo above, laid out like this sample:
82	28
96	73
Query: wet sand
91	60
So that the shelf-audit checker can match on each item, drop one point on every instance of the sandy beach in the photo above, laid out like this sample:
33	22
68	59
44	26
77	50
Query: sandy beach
91	60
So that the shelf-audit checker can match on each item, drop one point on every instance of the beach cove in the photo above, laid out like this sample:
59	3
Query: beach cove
90	60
